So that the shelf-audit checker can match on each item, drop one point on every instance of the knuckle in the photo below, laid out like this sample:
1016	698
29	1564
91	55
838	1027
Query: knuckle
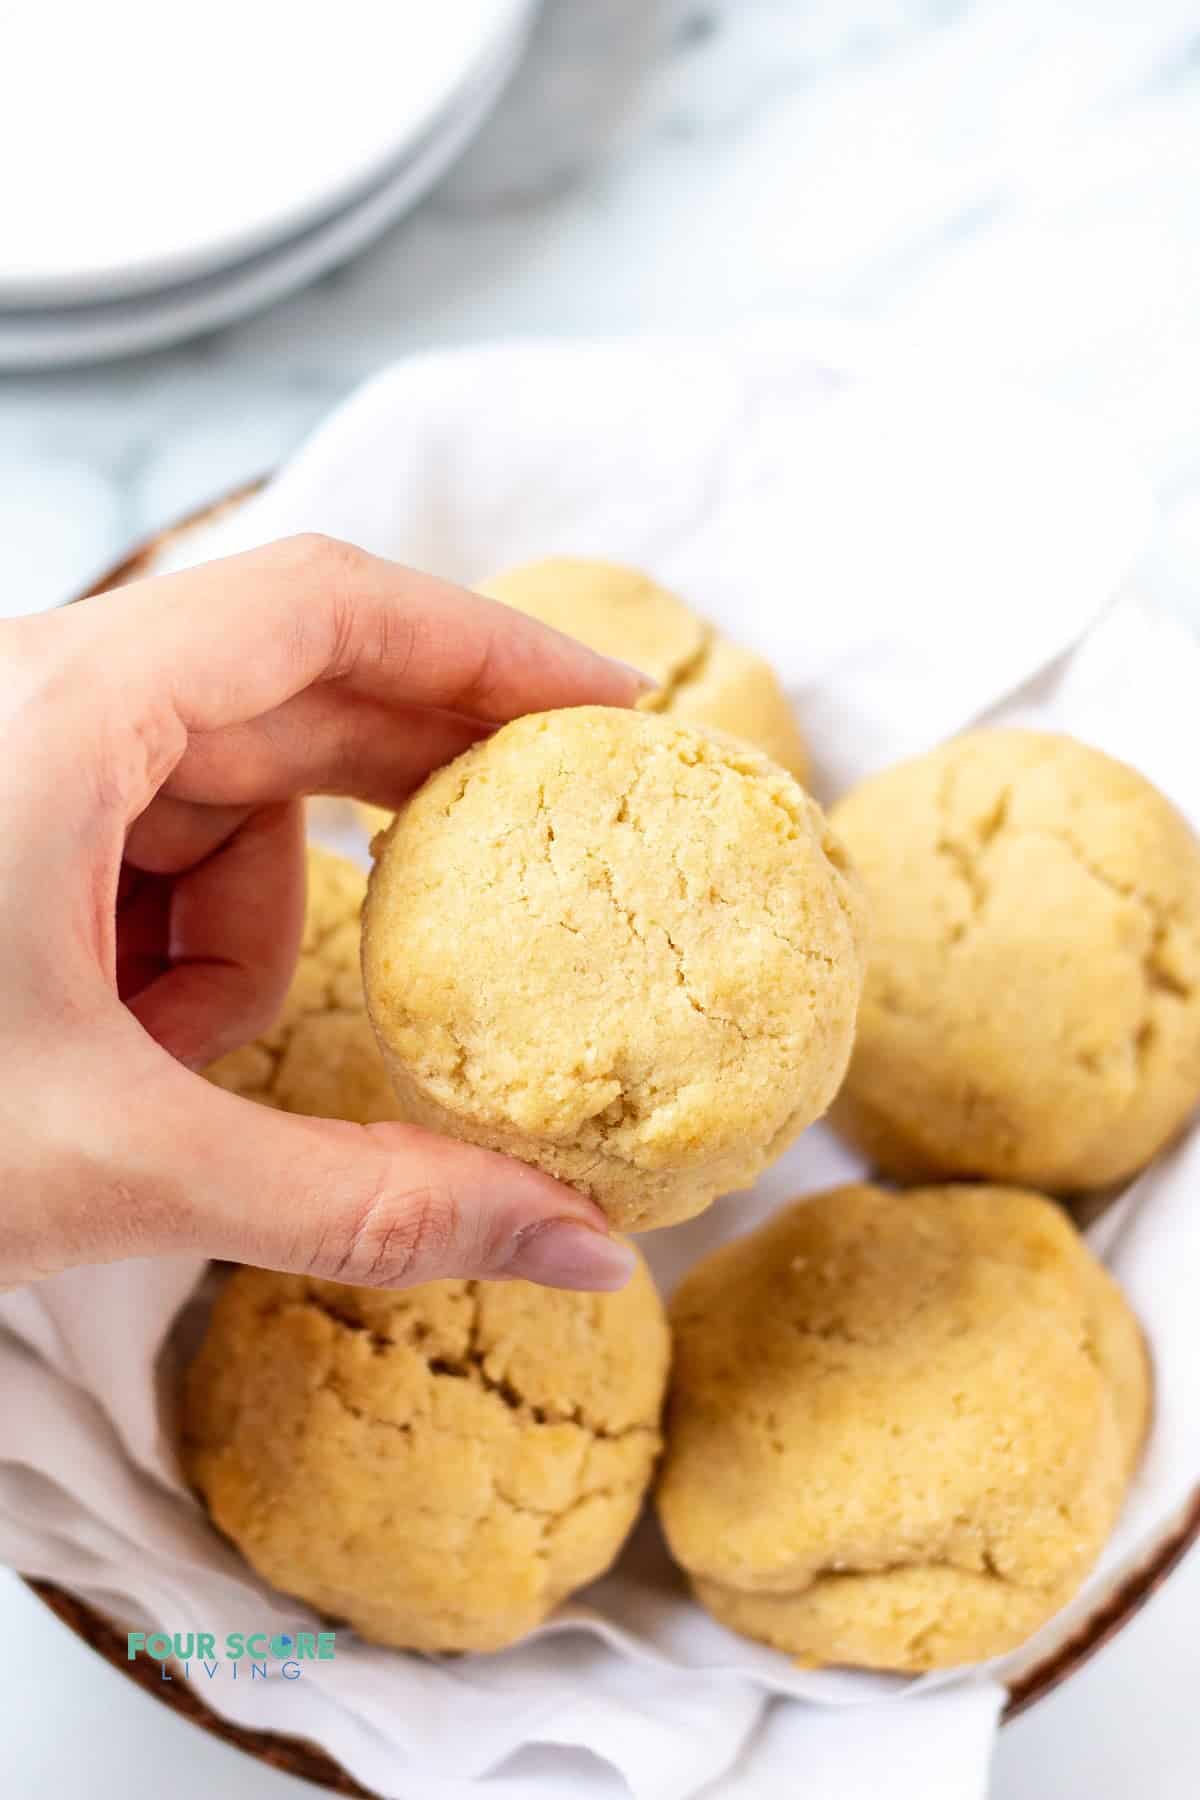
331	559
397	1237
339	570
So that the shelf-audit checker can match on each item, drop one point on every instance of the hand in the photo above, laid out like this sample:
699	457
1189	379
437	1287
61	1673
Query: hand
157	742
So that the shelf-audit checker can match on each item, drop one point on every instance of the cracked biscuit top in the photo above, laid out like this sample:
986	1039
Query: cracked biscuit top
320	1055
622	949
1032	1008
437	1466
703	677
900	1426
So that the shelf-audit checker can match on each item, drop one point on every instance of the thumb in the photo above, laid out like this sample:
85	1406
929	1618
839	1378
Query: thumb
384	1205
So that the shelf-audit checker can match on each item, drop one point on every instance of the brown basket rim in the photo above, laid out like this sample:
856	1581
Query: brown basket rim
297	1757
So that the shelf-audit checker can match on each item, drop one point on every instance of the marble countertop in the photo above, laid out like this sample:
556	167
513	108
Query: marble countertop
1011	182
1005	180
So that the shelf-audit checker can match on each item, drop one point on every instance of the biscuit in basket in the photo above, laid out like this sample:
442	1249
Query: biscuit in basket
320	1056
438	1466
1032	1008
901	1426
703	677
625	950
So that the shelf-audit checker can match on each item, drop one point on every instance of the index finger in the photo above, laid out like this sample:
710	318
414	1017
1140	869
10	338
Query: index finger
230	640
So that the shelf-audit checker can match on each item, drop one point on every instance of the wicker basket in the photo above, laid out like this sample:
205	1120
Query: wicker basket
297	1757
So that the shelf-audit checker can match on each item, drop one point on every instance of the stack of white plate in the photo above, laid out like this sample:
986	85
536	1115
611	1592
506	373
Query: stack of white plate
166	170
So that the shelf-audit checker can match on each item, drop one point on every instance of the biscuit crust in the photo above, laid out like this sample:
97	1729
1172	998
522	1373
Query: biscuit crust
625	950
437	1466
901	1426
1032	1009
320	1056
703	677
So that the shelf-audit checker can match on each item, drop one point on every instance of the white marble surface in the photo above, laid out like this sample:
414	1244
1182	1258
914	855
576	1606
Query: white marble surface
1008	181
1005	182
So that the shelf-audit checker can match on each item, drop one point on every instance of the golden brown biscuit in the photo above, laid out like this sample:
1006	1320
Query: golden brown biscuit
320	1056
438	1466
703	677
901	1426
621	949
1032	1008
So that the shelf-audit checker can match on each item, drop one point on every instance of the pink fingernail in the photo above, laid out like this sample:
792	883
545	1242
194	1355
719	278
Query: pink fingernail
564	1253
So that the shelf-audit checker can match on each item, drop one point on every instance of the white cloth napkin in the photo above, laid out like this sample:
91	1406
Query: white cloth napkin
914	552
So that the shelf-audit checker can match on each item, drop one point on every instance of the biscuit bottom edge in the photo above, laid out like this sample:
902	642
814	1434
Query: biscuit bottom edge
906	1620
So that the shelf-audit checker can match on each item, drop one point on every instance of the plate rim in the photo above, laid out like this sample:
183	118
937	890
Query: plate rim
113	282
66	336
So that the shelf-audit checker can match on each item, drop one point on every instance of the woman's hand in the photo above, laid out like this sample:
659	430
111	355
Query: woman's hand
156	745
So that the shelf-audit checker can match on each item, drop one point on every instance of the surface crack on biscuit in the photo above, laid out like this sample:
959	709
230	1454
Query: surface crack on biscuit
289	1419
1158	975
554	1516
994	822
333	1387
470	1366
623	867
1158	978
1159	917
459	795
705	1012
621	815
627	914
460	1051
630	918
833	1331
339	1316
839	1571
688	670
964	857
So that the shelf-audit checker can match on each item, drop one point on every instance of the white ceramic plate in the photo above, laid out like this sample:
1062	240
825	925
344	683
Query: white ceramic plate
42	338
143	144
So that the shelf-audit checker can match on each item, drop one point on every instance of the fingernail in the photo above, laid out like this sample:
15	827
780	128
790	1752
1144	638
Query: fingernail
563	1253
